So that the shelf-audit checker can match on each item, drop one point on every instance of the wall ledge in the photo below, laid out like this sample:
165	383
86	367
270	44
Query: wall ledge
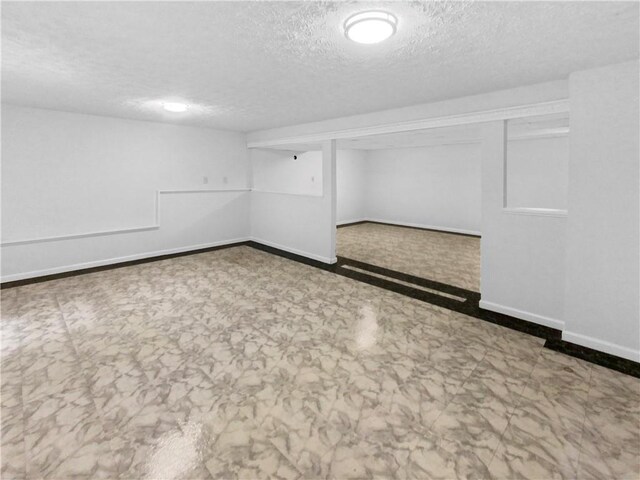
155	226
538	212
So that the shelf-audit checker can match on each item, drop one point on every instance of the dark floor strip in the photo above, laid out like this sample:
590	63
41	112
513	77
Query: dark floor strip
594	356
360	222
405	277
406	284
292	256
428	297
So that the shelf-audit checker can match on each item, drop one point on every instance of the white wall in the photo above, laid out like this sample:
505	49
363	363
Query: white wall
538	173
71	174
432	187
522	255
351	183
278	171
295	218
602	285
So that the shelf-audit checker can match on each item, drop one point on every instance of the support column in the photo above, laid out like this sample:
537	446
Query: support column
329	195
493	198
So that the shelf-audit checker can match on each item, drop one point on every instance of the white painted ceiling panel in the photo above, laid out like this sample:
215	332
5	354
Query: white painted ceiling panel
254	65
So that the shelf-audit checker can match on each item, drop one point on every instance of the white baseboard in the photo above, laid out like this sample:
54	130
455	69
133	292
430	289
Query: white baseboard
295	251
602	346
421	225
523	315
115	260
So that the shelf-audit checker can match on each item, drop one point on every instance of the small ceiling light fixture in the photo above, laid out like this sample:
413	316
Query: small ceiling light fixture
174	107
370	27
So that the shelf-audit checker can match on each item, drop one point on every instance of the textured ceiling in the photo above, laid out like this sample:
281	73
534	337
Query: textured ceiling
254	65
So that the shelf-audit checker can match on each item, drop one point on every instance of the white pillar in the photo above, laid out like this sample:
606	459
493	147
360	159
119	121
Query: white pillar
329	195
493	198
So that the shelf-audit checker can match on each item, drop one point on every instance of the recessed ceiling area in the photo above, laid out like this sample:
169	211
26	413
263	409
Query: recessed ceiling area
255	65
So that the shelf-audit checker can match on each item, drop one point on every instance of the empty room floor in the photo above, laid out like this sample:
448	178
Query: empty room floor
439	256
241	364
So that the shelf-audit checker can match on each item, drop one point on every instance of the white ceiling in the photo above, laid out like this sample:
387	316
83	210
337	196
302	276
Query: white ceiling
254	65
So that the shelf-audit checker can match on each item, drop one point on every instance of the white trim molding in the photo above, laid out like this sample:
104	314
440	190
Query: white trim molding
522	314
544	108
116	260
537	212
271	192
602	346
295	251
155	226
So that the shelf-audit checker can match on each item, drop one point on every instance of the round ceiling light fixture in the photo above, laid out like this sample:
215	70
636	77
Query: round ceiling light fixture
175	107
370	27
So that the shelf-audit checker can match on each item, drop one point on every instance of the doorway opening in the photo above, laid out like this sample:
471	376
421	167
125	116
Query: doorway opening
410	203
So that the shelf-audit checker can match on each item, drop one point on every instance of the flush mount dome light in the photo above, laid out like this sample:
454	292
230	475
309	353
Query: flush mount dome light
370	27
174	107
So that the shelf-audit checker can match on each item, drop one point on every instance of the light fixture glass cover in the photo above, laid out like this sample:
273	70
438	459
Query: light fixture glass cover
174	107
370	27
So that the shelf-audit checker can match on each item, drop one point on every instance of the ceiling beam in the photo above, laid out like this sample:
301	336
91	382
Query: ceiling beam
521	111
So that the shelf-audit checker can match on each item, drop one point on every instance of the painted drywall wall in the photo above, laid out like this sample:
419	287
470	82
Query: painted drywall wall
602	284
293	218
538	173
432	187
522	256
71	174
351	184
278	171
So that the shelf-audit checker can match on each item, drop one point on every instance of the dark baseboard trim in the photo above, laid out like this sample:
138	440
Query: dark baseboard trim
408	226
351	224
607	360
292	256
112	266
